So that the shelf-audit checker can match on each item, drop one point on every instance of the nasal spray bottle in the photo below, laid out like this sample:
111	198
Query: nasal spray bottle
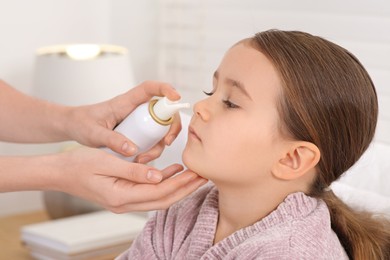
148	124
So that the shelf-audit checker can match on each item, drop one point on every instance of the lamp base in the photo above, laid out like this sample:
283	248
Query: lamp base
61	205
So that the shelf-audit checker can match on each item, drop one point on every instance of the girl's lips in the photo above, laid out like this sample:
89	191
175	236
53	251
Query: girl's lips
192	133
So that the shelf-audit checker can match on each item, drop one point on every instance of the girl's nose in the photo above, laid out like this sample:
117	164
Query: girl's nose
201	110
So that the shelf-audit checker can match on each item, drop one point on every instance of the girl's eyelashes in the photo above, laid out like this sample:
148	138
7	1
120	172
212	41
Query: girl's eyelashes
208	93
229	104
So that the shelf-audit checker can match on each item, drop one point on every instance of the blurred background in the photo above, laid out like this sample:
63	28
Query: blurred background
181	42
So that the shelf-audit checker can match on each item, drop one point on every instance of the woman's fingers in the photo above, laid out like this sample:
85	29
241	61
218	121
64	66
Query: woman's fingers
118	142
164	202
132	172
162	89
142	197
137	193
174	130
151	154
172	170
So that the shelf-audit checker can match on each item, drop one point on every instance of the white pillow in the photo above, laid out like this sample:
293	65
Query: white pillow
372	171
361	199
366	184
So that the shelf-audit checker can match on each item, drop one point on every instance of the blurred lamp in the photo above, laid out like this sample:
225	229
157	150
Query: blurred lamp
80	74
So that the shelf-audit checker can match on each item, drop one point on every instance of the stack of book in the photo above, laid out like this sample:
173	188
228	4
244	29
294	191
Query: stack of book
87	236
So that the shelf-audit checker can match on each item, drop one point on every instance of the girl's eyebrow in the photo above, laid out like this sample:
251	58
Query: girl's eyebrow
234	83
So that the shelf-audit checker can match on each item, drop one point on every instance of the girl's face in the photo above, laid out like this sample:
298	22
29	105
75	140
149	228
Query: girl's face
234	133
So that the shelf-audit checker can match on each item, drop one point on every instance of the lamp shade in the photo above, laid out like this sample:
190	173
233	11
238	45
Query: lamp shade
81	74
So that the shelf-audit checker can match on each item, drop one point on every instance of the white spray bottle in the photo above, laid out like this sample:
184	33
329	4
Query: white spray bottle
148	124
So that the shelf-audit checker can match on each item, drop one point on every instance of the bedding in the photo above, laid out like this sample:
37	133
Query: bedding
365	186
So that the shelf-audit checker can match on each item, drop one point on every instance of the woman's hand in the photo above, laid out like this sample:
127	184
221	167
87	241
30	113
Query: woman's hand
92	125
121	186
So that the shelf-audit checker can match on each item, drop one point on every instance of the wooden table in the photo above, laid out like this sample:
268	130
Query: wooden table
11	247
10	243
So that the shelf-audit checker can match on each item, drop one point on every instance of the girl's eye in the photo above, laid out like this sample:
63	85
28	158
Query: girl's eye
229	104
208	93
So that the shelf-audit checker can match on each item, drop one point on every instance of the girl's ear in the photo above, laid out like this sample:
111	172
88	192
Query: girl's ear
298	160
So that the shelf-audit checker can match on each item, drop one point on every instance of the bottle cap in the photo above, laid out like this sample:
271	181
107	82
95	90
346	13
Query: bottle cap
164	109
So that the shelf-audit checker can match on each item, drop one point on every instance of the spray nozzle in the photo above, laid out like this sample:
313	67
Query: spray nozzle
163	109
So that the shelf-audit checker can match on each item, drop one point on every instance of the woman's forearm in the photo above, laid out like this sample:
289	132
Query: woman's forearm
20	173
25	119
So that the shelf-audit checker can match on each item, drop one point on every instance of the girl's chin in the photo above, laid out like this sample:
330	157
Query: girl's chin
188	163
191	165
187	158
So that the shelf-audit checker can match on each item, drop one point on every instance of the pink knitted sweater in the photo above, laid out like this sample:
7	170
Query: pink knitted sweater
298	229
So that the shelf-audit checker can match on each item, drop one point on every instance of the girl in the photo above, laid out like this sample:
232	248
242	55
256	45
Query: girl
288	114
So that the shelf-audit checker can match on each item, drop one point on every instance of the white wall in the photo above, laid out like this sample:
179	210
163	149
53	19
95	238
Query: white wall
134	24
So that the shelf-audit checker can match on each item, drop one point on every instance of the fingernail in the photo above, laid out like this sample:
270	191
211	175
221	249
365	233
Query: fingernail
129	148
191	177
170	139
144	159
154	176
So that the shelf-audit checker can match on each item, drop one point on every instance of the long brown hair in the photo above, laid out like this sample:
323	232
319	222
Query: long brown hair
329	99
